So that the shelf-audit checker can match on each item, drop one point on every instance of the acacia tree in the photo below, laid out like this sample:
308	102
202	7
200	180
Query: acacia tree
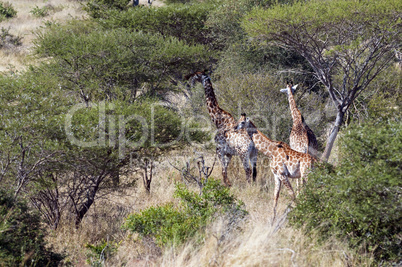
347	43
69	126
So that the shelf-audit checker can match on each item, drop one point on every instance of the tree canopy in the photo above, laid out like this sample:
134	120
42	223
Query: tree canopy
347	43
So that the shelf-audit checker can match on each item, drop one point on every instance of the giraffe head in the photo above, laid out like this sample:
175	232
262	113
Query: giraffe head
289	86
245	123
198	76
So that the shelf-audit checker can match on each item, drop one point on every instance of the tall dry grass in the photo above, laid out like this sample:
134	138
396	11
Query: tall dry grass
257	242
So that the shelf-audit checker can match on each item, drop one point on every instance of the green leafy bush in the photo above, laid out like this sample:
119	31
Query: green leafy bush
21	235
7	11
171	225
96	8
40	12
99	253
360	199
8	40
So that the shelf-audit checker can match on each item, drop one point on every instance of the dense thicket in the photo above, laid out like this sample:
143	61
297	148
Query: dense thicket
360	199
21	235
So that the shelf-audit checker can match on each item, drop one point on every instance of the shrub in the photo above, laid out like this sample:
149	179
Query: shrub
171	225
359	200
21	236
7	11
40	12
8	40
96	8
99	253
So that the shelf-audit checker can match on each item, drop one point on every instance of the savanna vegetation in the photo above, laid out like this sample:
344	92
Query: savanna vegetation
107	155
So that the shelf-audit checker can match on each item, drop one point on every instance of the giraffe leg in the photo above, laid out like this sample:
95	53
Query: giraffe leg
276	193
253	159
298	185
279	179
246	166
225	160
304	171
287	184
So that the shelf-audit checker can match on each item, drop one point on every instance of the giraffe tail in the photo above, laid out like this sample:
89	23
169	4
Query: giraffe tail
254	171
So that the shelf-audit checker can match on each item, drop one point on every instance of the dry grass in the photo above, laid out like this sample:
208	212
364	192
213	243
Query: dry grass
25	24
258	243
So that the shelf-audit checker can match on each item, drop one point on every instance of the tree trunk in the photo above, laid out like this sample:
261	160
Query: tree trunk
147	179
115	174
332	137
85	207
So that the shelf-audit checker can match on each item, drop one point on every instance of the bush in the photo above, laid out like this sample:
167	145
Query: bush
21	236
7	11
96	8
359	200
99	253
40	12
171	225
8	40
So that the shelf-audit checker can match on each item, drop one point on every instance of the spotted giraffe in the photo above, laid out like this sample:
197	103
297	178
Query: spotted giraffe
229	142
301	138
285	162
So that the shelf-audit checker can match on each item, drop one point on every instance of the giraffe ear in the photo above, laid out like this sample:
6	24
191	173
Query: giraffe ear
284	90
294	88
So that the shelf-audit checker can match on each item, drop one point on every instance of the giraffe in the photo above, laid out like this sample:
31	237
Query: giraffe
285	162
301	138
229	141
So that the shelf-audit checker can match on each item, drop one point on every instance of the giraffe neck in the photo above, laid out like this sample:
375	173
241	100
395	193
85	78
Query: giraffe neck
263	143
219	117
296	115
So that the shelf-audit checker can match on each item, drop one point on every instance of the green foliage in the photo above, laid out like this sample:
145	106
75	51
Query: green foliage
99	253
183	21
360	199
169	2
171	225
224	21
115	64
30	125
96	8
21	235
386	103
315	15
40	12
6	11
